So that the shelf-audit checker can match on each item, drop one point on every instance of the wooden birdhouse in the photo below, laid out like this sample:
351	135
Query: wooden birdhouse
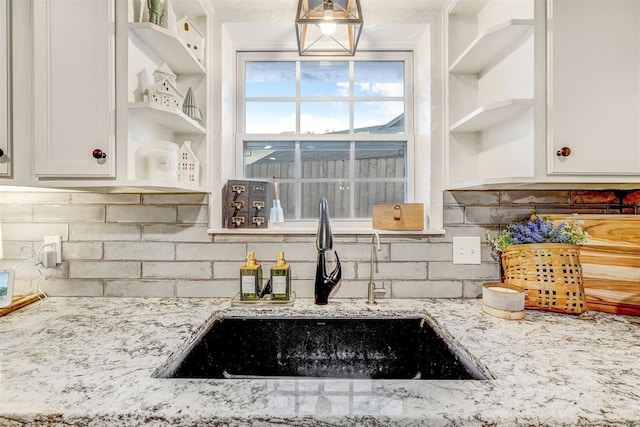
164	91
188	165
192	38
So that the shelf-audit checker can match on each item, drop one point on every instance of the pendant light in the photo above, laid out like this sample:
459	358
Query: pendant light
328	27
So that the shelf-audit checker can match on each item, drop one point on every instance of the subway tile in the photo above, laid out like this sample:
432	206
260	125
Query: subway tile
453	215
305	289
227	270
593	197
60	271
427	289
494	216
360	252
139	288
16	213
472	288
463	231
351	289
248	238
33	231
104	269
72	287
81	250
193	214
421	252
207	288
139	251
175	199
12	250
104	232
175	233
393	270
471	198
13	198
141	214
266	252
450	271
211	251
537	197
177	270
68	213
110	199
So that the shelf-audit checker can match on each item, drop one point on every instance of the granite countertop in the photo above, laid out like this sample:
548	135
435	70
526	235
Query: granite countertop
89	361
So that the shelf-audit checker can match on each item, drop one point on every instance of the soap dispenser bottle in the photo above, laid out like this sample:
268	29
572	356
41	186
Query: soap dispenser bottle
250	279
280	279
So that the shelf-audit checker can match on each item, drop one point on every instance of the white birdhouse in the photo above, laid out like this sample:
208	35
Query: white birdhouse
191	37
164	91
188	165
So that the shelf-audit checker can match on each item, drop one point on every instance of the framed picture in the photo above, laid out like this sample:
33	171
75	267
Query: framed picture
6	168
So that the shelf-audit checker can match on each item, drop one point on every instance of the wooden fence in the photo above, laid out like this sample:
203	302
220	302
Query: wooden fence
366	192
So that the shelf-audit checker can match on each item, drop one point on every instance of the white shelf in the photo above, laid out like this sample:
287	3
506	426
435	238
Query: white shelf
492	45
468	7
173	118
490	115
169	47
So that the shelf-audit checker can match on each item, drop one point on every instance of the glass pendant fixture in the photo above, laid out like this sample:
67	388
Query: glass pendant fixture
328	27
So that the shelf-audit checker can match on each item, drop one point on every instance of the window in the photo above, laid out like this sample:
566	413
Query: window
328	127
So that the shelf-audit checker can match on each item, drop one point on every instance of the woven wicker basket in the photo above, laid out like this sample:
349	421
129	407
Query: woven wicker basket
549	273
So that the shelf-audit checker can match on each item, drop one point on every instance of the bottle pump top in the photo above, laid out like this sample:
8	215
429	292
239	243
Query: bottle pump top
251	261
280	261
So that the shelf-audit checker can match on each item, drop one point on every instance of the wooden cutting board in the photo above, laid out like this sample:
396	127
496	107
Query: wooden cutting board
611	262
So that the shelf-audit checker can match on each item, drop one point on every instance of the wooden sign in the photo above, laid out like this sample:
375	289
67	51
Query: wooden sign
405	216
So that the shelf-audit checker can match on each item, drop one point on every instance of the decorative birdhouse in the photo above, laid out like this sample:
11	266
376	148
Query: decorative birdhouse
188	165
164	91
191	37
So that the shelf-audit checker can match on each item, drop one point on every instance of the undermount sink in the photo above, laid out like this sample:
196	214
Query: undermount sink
356	348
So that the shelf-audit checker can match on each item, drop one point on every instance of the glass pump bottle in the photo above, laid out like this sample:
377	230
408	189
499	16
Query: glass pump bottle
250	279
280	279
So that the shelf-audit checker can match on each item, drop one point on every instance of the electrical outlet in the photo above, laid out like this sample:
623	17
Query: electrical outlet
466	250
58	246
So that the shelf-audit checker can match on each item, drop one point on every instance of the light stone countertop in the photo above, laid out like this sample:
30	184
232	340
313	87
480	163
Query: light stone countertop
89	362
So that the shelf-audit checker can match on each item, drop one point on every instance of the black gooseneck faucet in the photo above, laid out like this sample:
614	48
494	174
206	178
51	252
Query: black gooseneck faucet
325	283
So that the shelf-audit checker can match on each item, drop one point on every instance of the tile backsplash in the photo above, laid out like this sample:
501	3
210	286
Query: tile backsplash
157	245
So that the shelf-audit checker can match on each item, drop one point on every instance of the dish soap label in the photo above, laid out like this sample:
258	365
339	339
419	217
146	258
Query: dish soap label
281	279
250	279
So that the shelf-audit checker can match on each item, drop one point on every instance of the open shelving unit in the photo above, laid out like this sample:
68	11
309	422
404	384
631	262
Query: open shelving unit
492	45
491	115
149	47
489	91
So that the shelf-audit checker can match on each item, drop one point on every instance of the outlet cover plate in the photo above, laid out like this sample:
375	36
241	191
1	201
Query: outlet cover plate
58	241
466	250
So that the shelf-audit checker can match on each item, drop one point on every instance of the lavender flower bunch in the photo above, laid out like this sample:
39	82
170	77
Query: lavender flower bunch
539	230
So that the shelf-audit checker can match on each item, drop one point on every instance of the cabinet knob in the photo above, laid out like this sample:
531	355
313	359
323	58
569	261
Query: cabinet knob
1	152
99	154
563	152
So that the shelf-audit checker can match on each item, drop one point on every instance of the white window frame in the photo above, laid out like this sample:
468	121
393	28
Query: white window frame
339	224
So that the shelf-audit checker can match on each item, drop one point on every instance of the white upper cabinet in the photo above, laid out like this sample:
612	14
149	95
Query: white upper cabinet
593	100
6	151
117	93
74	88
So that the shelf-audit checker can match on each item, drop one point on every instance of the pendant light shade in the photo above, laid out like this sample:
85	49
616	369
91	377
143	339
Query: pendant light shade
328	27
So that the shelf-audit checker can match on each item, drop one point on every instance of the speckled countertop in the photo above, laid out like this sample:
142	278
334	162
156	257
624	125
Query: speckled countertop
89	361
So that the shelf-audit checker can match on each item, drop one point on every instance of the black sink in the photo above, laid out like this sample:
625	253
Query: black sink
279	347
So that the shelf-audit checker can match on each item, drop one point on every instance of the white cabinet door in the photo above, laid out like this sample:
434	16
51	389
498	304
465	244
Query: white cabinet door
593	86
5	91
74	88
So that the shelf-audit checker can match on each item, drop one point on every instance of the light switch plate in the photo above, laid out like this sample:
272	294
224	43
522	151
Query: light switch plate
466	250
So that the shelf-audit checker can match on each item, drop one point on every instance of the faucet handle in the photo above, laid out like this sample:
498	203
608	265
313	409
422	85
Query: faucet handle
379	292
